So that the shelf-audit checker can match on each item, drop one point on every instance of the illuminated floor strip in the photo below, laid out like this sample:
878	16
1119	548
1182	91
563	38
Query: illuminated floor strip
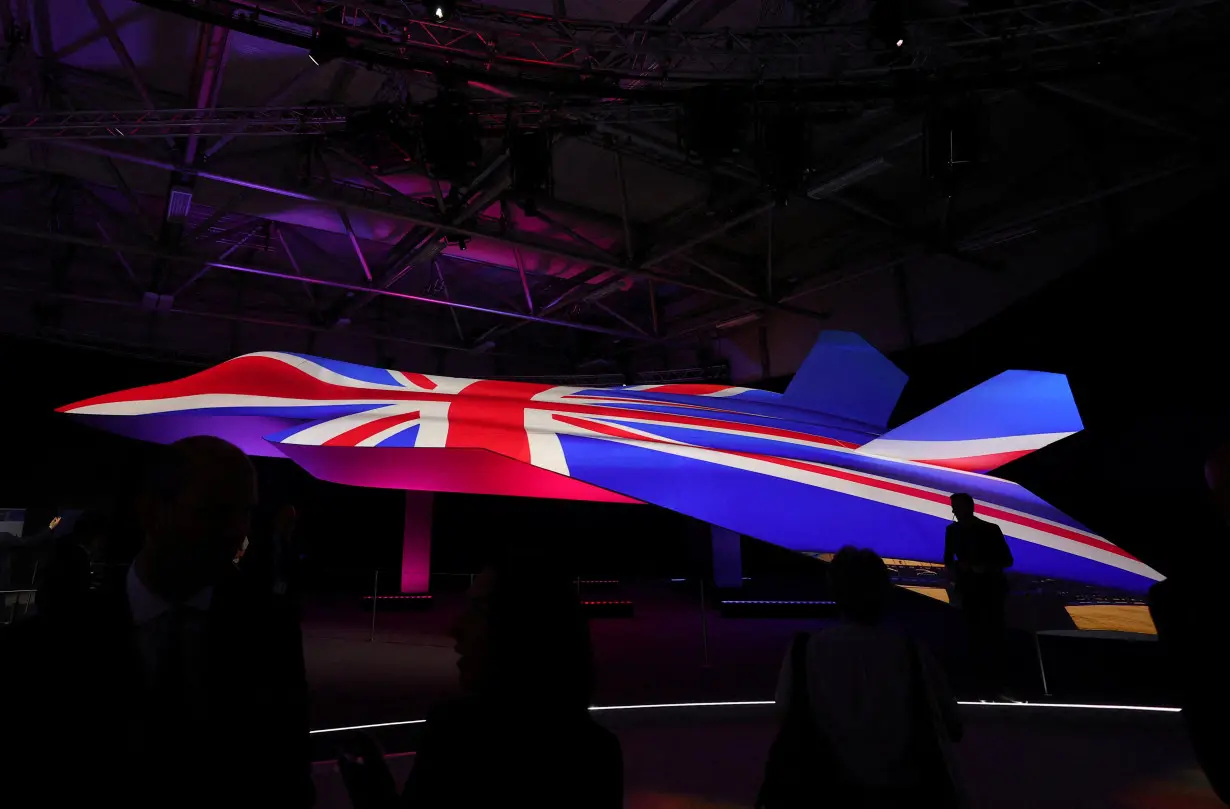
679	705
370	727
762	702
1077	705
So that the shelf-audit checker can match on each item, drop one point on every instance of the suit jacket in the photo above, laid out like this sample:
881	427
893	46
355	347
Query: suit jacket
978	550
84	727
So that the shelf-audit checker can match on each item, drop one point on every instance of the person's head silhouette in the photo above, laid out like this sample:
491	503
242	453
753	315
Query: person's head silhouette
962	506
859	583
195	511
524	640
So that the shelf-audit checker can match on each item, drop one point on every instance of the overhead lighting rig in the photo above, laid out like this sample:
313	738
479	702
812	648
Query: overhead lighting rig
328	43
442	10
783	141
712	124
450	137
529	153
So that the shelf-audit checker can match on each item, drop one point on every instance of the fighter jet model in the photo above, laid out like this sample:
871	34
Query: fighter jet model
812	469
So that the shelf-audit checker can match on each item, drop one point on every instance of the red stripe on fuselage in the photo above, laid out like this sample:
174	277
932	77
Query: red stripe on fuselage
420	380
352	437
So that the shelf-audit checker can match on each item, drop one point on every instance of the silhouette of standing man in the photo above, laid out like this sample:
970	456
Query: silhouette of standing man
1189	610
185	687
976	556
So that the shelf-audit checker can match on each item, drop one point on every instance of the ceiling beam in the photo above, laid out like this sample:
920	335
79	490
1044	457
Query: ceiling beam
121	51
278	96
413	217
80	241
1116	111
233	318
211	51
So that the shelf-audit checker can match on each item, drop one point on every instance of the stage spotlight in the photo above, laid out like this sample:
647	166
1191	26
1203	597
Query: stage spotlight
442	10
327	44
784	141
712	124
887	22
450	138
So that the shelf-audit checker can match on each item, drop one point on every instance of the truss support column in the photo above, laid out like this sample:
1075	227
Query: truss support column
416	543
623	209
525	284
768	260
907	310
121	51
762	335
653	309
207	77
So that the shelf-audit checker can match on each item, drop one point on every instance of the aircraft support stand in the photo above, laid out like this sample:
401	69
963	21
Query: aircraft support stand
416	543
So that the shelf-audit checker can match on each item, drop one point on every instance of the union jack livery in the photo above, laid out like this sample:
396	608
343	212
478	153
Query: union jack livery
812	469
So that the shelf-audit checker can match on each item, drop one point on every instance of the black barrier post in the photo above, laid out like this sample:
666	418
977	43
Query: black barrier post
704	625
1046	690
375	593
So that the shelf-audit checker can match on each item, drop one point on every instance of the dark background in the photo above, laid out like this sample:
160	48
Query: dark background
1142	334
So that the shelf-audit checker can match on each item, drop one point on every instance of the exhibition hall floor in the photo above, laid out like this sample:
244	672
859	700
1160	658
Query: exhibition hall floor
711	756
666	654
1011	758
657	656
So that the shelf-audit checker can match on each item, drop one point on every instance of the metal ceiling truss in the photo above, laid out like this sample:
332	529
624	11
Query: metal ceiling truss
316	119
356	294
514	45
607	77
279	275
369	201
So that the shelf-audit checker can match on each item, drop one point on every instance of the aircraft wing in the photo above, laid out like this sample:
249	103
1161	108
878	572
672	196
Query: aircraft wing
838	497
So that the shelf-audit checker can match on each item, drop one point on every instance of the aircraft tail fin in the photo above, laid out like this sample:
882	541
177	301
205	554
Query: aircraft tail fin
1004	418
845	376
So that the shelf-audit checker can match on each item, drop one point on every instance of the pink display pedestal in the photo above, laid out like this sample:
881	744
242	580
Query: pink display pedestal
416	544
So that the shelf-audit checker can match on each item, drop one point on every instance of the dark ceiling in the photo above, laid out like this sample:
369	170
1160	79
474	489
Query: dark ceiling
184	180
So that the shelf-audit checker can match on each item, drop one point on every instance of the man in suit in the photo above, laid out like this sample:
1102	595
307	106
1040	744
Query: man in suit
1189	611
185	687
976	556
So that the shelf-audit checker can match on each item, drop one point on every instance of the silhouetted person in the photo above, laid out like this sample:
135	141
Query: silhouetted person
976	556
526	667
182	688
880	702
1189	611
268	562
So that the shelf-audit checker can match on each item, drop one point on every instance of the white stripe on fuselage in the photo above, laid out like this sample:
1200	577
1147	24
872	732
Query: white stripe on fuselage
965	448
